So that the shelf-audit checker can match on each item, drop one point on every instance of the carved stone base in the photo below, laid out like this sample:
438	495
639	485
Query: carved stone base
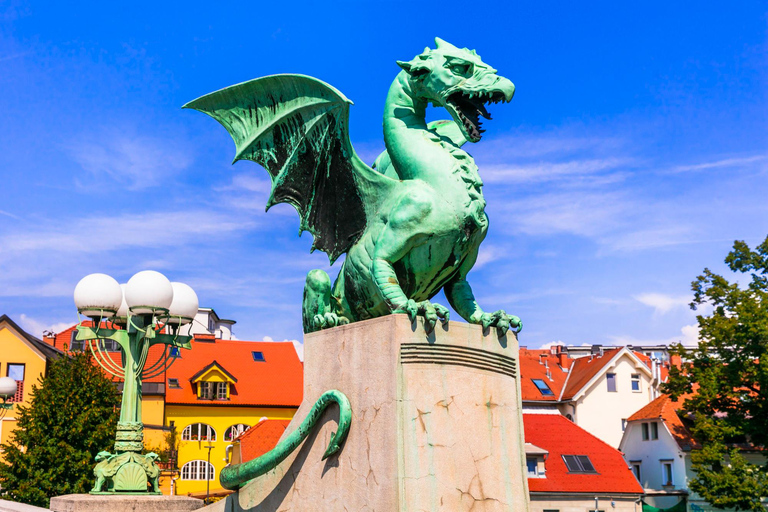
90	503
126	472
436	424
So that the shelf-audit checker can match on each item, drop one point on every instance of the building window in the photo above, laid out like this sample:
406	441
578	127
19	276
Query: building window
666	472
636	469
198	432
212	390
578	464
235	430
198	470
258	357
623	424
109	345
636	382
75	344
543	388
16	372
654	431
174	383
611	379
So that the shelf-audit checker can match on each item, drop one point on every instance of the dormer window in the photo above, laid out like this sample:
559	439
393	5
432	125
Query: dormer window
213	382
213	390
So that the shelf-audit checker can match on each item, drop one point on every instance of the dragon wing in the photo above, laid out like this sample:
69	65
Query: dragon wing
296	127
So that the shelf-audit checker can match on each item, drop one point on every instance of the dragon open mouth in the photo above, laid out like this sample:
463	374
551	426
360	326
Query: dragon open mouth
470	106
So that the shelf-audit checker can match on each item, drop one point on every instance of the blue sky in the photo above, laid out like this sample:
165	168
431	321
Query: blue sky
631	157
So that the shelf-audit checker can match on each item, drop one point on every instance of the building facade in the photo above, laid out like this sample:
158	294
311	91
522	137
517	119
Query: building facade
25	359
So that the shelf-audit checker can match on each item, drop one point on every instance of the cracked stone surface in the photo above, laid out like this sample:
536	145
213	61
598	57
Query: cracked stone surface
426	435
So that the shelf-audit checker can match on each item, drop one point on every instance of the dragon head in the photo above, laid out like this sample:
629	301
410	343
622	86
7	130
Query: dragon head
458	80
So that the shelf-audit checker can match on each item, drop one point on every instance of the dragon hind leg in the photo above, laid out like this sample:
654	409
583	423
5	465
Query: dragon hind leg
317	312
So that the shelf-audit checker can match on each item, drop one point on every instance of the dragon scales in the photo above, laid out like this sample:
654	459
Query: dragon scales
412	223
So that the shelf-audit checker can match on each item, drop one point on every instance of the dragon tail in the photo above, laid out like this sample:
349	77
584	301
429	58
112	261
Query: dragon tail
235	476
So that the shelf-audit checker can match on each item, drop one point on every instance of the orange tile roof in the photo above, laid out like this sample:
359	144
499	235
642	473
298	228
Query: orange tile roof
583	369
277	381
559	436
534	365
665	409
261	438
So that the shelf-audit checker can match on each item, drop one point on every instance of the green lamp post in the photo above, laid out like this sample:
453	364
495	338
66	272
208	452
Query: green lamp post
7	391
148	310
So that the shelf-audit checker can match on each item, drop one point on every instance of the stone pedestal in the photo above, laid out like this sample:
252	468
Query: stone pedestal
436	424
123	503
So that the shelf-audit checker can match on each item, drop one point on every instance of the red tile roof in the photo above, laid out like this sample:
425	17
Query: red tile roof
534	364
665	409
277	381
559	436
63	340
261	438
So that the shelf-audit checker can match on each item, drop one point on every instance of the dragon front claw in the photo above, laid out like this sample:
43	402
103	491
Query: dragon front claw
328	320
431	312
499	319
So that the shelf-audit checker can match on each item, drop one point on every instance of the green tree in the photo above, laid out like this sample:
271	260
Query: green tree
728	371
72	416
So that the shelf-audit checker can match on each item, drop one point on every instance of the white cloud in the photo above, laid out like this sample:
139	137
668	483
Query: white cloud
36	327
722	163
136	162
135	230
548	171
689	336
547	346
663	304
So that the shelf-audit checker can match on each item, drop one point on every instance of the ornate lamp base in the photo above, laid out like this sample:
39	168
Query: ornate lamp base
127	471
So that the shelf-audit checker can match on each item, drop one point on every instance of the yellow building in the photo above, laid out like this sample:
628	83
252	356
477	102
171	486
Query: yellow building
219	389
25	359
209	395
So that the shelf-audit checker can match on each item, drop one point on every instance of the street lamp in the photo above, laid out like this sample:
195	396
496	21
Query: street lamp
135	315
7	391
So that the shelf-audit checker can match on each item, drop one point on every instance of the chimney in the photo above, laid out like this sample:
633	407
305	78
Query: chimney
676	360
596	349
562	359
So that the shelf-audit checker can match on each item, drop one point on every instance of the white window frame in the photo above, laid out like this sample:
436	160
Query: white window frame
664	464
220	390
635	378
654	430
186	434
196	470
235	430
645	430
637	469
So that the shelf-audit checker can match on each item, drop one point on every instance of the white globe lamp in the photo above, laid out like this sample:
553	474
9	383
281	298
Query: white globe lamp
121	317
98	296
148	292
7	388
184	306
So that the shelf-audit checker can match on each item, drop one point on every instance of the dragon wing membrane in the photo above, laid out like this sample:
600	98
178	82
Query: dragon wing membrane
296	127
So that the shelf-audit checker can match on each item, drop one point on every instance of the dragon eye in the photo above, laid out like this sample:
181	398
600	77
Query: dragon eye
461	69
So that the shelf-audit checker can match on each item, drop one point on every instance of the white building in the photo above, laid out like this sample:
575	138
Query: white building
657	446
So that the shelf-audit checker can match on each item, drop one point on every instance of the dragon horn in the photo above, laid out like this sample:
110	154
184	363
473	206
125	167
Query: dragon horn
443	44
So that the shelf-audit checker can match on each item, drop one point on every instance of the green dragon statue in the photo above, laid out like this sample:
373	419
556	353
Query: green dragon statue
412	224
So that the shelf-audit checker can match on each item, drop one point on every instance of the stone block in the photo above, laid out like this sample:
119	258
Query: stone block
436	424
123	503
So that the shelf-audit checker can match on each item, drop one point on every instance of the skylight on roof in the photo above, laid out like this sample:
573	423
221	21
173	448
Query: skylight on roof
173	383
258	357
578	464
543	388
